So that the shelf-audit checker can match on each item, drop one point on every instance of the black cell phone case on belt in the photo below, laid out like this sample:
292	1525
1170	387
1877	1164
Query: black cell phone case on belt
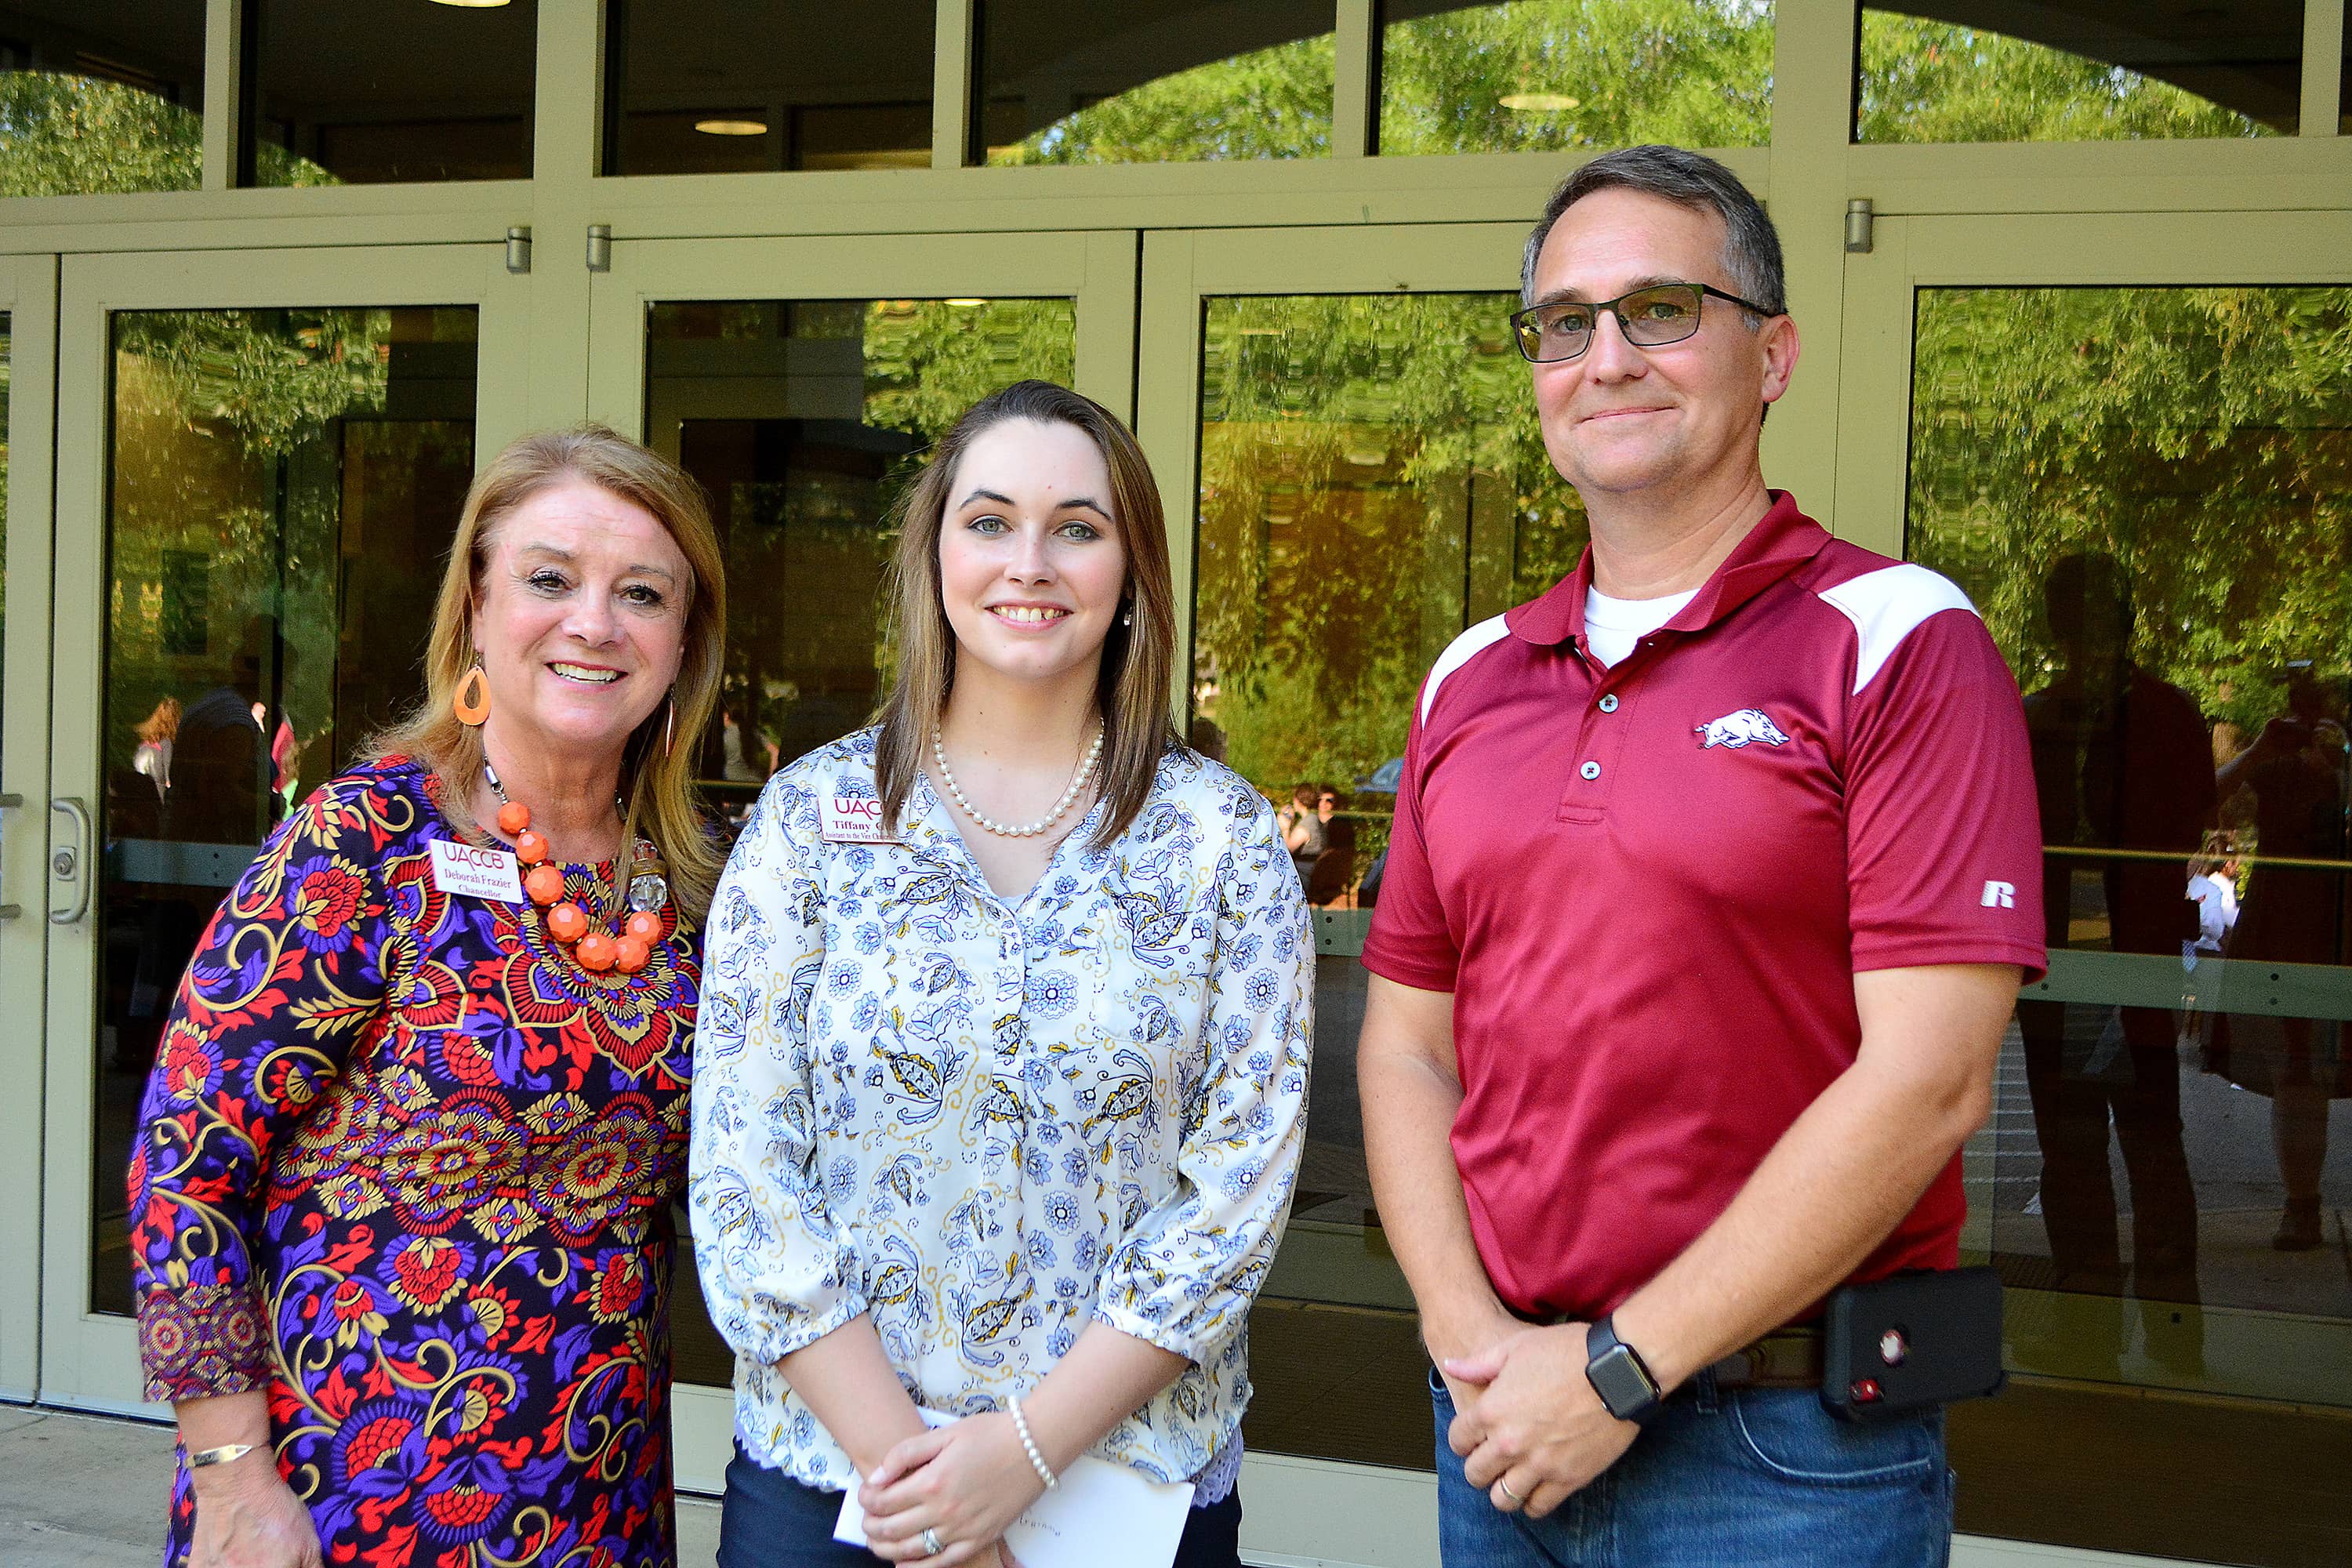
1898	1346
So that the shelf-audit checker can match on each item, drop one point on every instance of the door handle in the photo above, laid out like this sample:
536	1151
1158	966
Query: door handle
10	911
72	862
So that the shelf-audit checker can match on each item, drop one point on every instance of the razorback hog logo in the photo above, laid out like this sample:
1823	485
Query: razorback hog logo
1736	729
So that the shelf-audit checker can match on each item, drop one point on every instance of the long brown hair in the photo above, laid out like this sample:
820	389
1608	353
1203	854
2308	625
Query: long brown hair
1131	687
656	781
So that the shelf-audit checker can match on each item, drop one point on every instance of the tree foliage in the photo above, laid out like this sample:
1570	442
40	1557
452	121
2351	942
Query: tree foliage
65	135
1599	73
1930	81
2200	436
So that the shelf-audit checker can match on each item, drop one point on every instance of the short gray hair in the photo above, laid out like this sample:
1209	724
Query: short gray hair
1751	246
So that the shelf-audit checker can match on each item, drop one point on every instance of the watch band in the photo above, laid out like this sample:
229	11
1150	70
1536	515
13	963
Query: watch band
1619	1375
226	1453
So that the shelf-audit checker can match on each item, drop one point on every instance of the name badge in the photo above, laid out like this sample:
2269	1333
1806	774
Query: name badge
476	873
855	819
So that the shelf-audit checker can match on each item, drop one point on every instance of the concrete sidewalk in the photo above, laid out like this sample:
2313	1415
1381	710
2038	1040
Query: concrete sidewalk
86	1491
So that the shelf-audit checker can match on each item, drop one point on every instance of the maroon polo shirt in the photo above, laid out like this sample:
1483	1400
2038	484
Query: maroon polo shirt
1649	889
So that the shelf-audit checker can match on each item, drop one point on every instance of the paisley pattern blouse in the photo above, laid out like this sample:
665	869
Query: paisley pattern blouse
990	1121
406	1167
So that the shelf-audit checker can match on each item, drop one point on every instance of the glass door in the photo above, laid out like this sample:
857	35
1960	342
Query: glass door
2130	441
1342	417
27	368
261	459
802	382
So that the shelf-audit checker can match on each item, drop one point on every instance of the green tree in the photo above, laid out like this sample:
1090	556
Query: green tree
1269	103
2200	436
1924	80
1536	75
66	136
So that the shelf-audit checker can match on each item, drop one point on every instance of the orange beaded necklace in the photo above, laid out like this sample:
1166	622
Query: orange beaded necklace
593	948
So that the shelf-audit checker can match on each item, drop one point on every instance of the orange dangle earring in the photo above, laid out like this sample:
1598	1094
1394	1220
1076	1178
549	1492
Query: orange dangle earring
472	702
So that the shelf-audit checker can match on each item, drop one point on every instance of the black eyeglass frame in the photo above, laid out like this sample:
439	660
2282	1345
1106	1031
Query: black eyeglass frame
1519	335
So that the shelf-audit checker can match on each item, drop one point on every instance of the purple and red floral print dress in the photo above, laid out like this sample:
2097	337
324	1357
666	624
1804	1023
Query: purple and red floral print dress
406	1166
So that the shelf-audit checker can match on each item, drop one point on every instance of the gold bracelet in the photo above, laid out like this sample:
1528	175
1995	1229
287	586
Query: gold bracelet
203	1458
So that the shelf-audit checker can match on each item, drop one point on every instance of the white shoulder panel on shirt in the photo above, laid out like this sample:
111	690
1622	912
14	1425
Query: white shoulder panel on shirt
1885	606
1459	652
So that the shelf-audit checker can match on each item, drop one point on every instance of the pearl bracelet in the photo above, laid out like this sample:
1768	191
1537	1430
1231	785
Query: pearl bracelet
1029	1444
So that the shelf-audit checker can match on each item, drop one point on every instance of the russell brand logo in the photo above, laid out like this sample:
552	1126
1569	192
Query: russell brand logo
1738	730
2000	896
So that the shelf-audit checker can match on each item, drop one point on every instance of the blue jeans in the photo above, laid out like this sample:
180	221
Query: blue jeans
1750	1477
771	1521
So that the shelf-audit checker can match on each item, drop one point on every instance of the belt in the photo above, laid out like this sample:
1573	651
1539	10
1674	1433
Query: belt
1788	1358
1785	1357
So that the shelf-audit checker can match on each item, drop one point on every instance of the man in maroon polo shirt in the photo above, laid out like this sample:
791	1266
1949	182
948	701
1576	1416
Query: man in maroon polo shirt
1713	874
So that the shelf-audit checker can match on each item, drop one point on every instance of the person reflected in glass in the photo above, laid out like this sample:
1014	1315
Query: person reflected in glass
219	754
2294	914
153	759
2120	761
1000	1085
400	1196
1303	829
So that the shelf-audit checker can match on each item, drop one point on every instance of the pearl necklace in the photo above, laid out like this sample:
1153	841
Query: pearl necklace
1029	830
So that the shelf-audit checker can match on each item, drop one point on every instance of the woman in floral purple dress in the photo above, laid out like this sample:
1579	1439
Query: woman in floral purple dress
400	1201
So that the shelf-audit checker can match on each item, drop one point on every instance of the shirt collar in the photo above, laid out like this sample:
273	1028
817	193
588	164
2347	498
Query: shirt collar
1782	540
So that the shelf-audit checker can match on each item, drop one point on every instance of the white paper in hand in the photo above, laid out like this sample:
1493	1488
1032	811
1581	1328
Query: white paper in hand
1101	1516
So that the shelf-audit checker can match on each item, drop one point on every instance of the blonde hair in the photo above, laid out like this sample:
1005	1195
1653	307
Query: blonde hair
1138	659
162	725
656	782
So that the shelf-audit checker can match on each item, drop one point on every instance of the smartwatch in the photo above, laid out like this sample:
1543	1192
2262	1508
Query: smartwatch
1617	1374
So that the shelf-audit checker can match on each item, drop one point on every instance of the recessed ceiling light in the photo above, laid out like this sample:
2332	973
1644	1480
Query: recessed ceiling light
731	127
967	304
1537	103
474	5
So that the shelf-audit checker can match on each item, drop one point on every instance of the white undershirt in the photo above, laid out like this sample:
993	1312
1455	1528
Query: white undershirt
1611	627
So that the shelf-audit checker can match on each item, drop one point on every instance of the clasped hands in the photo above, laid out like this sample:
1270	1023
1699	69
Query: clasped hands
1528	1426
967	1480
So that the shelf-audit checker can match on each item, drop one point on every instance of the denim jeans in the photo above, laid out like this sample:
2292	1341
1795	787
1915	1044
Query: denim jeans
1751	1478
771	1521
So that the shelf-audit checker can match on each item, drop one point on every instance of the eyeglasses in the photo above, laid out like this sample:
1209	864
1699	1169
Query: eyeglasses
1650	318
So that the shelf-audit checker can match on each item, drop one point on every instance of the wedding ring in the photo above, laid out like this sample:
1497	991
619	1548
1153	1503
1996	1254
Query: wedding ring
934	1545
1509	1493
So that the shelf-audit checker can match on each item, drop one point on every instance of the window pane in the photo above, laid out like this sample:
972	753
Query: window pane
1156	82
283	487
101	96
2086	71
2148	492
803	418
726	86
1540	75
358	92
1372	480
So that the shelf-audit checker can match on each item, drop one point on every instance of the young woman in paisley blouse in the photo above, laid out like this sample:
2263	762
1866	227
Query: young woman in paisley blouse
1000	1090
399	1205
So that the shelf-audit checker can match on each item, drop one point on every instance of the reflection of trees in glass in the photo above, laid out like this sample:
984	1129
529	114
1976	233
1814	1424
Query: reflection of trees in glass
804	504
1930	81
63	135
2201	437
1530	75
1372	478
1268	103
224	459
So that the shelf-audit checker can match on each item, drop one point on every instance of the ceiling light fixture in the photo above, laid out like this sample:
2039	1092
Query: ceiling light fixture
1537	103
731	127
967	304
474	5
